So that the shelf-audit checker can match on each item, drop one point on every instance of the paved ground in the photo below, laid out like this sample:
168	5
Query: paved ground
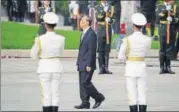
7	53
20	89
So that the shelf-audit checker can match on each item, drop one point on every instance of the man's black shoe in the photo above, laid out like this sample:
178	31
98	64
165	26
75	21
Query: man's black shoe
101	71
82	106
98	103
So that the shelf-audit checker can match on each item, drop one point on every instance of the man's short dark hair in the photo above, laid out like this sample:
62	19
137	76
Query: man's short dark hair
89	19
51	26
138	27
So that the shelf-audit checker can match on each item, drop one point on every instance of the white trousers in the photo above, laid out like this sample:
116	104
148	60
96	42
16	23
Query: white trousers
136	88
50	88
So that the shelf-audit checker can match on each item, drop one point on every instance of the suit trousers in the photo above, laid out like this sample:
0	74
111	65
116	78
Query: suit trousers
136	88
50	83
87	89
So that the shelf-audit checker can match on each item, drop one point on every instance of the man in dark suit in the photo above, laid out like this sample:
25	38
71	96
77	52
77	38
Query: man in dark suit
86	63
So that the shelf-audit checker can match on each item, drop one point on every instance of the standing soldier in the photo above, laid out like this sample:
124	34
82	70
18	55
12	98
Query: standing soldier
41	11
48	48
105	18
167	31
148	9
135	70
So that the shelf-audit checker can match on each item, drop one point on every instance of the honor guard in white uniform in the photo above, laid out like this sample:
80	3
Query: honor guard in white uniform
48	48
133	50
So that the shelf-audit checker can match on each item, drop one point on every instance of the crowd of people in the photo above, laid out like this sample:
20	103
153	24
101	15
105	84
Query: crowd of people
19	10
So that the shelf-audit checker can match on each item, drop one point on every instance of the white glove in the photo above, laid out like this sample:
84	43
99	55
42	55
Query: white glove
107	19
168	7
89	6
169	19
106	8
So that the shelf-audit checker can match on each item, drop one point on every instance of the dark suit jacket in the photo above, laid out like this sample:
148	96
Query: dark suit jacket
87	51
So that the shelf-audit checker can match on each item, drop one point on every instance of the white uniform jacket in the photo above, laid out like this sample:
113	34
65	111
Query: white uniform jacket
48	48
138	46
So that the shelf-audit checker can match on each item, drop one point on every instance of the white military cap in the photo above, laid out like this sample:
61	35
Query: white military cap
139	19
50	18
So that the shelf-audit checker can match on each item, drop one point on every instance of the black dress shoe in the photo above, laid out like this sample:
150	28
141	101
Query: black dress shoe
54	108
82	106
98	103
170	71
47	108
133	108
162	71
101	71
107	71
142	108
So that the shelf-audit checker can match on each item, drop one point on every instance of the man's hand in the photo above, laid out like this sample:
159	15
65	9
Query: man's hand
88	69
169	19
107	19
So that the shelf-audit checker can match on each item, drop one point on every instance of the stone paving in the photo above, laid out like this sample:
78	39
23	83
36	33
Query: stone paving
20	89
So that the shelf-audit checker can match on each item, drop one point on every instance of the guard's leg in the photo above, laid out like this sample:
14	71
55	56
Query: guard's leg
45	83
101	62
101	49
168	65
162	55
106	63
142	89
132	93
169	53
162	59
55	91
